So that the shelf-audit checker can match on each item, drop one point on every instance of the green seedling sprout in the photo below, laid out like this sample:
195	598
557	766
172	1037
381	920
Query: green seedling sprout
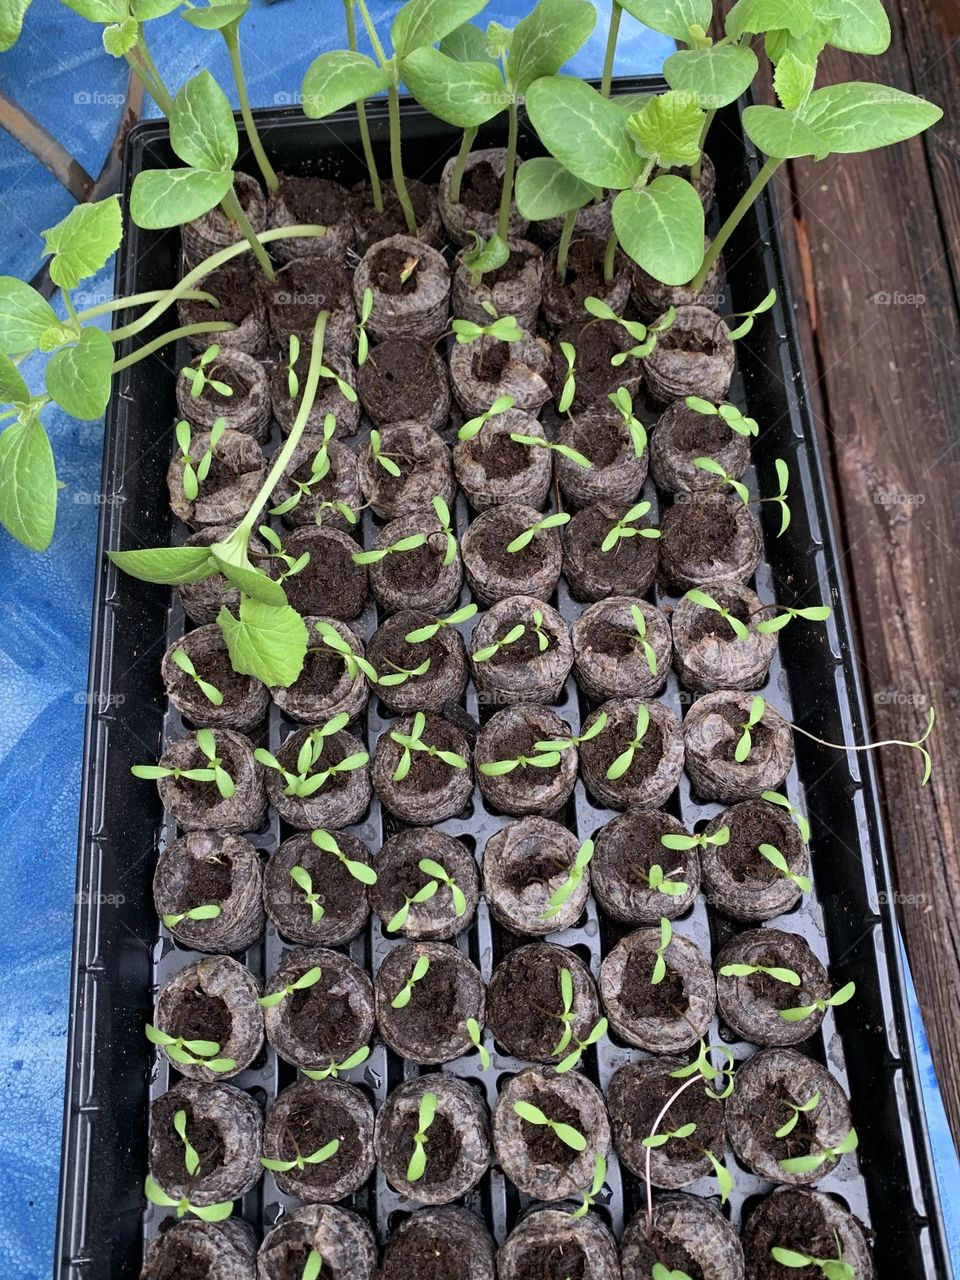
742	330
475	425
305	782
729	413
199	379
476	1039
783	476
569	389
319	470
777	972
624	760
291	565
497	768
181	659
572	882
706	601
741	752
293	379
797	1109
207	1213
712	467
659	971
915	744
413	741
446	528
588	1197
655	1140
502	329
831	1268
215	771
626	527
483	255
640	625
566	1015
543	638
660	1272
660	881
430	867
207	911
398	920
193	1053
812	613
777	860
722	1174
680	841
314	1264
190	1158
400	547
774	797
568	1135
417	974
645	337
425	1117
335	1068
400	675
623	401
363	340
341	508
427	632
358	870
572	1060
382	459
320	1156
840	997
343	387
302	879
524	538
565	451
303	983
194	475
491	650
334	642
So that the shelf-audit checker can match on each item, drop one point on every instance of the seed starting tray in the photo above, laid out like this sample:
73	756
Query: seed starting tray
122	954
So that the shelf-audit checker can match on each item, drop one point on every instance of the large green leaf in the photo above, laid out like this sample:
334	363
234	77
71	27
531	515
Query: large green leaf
28	483
145	10
545	189
547	38
755	16
584	131
13	389
25	316
466	44
784	135
862	25
337	79
83	241
202	129
168	566
861	117
714	76
667	129
216	16
232	560
267	641
462	93
78	377
168	197
673	17
424	22
661	228
99	10
11	22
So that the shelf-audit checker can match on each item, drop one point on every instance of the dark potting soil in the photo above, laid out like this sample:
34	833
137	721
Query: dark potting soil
179	1260
442	1146
601	444
199	1016
538	866
334	750
214	667
308	1127
522	651
741	855
509	271
233	287
205	794
595	344
496	536
766	1112
399	381
701	531
419	1256
313	201
375	226
709	623
629	560
234	379
617	642
644	999
294	1261
700	433
490	360
333	884
392	653
310	284
585	271
674	1257
434	1012
429	773
525	999
322	1018
628	862
643	1098
402	878
330	583
204	1136
322	672
502	458
542	1142
520	739
760	736
417	570
223	474
207	881
602	750
701	340
561	1261
795	1222
481	189
771	991
394	272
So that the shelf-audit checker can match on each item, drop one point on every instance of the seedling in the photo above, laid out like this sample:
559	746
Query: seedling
660	1272
303	983
430	867
408	268
425	1117
524	538
199	379
363	340
832	1268
446	528
596	1186
207	1213
568	1135
182	659
491	650
305	782
777	972
655	1140
413	741
380	458
341	508
359	870
723	1175
623	400
343	387
566	1015
706	601
729	413
742	330
497	768
625	759
302	879
543	638
503	329
820	1005
573	1059
812	613
483	255
400	675
783	476
703	1068
662	882
915	745
476	1039
741	752
640	625
335	1068
400	547
194	475
569	389
797	1109
427	632
190	1157
398	920
626	527
193	1053
293	380
207	911
774	797
320	1156
644	336
571	883
291	565
313	1266
334	642
659	971
475	425
679	841
776	859
565	451
214	772
319	470
417	974
714	468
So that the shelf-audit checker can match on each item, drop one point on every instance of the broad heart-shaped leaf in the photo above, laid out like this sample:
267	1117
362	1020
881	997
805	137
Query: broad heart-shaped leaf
168	197
338	79
587	133
547	38
13	389
547	189
661	228
267	641
861	117
28	483
424	22
168	566
78	377
667	128
862	25
216	17
99	10
232	560
782	134
83	241
466	44
11	22
714	76
202	129
462	93
672	17
755	16
24	316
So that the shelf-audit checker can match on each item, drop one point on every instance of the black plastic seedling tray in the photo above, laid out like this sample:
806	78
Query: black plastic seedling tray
122	954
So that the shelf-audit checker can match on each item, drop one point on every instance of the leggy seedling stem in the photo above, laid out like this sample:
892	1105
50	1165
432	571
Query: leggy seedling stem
362	125
744	204
613	31
506	194
463	155
231	36
393	108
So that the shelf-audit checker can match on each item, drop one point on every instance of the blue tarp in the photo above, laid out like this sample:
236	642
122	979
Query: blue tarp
59	73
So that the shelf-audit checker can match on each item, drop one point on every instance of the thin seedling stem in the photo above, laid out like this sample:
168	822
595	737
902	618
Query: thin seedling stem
616	13
456	178
745	202
506	195
231	35
362	124
234	210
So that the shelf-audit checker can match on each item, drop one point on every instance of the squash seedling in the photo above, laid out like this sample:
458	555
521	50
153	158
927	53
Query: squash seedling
195	474
420	634
199	379
334	1070
568	1135
625	759
305	782
426	1114
303	983
363	338
778	973
526	536
497	768
812	613
774	797
400	547
626	527
474	426
659	971
707	601
728	413
680	841
820	1005
645	336
380	458
446	528
777	860
589	1196
483	255
566	1015
502	329
334	643
741	752
712	467
491	650
419	971
476	1039
424	894
194	1053
413	741
543	639
206	911
293	378
569	389
623	401
213	771
300	1161
831	1268
573	880
358	870
797	1109
182	659
575	739
565	451
207	1213
430	867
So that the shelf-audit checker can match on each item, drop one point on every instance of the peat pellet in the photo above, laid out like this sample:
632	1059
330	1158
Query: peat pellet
373	225
410	283
330	788
199	804
213	1000
202	237
405	379
200	681
305	201
527	1010
712	730
804	1221
305	1119
617	470
343	1241
439	915
414	563
304	287
450	1239
320	485
693	357
636	758
429	788
334	908
687	1233
408	469
331	398
425	995
622	874
492	468
234	475
593	346
610	549
206	869
240	304
223	1125
653	299
737	879
486	370
752	1004
563	298
421	674
494	571
526	865
615	656
331	682
709	652
478	206
682	435
325	1019
520	651
552	1238
234	386
511	290
332	584
522	788
706	537
665	1016
216	1250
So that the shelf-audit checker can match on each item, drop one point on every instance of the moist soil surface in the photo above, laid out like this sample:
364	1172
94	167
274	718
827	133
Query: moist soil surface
214	667
495	537
399	381
419	1256
235	290
204	795
481	189
642	999
629	560
502	458
234	378
704	532
415	571
322	672
443	1147
602	444
321	1018
395	272
709	623
429	773
402	878
699	341
674	1257
509	271
799	1225
375	226
434	1012
596	345
204	1136
333	884
321	284
392	653
334	750
199	1016
542	1143
518	740
601	752
767	1112
539	866
628	862
490	360
179	1261
312	202
309	1127
617	642
524	999
521	651
585	271
560	1261
207	881
741	854
761	737
700	433
644	1096
294	1262
329	584
771	991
